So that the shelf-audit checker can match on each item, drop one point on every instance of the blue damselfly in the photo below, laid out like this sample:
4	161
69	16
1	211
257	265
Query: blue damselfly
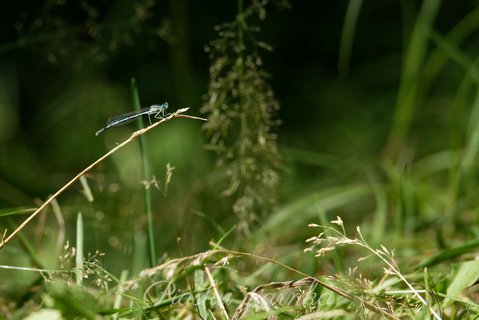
156	110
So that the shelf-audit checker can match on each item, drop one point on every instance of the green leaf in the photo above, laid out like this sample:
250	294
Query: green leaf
449	254
73	302
467	275
200	299
16	211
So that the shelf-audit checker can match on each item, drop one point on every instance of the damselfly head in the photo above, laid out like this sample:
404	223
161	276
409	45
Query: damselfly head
159	107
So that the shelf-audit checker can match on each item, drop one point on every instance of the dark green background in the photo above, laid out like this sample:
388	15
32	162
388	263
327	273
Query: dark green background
59	83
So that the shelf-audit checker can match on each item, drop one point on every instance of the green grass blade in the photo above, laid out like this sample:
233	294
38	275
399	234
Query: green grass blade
79	251
217	244
16	211
74	302
27	246
462	177
86	189
455	54
347	36
449	254
146	177
328	199
119	294
466	276
454	38
409	90
199	283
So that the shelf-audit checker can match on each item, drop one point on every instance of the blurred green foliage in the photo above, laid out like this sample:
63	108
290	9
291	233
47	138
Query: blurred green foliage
242	112
379	124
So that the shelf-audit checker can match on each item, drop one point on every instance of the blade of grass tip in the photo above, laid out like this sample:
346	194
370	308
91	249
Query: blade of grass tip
86	189
408	14
217	245
119	293
146	177
210	220
347	36
79	251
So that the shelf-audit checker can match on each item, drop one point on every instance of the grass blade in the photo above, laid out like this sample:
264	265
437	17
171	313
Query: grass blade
466	276
410	87
328	199
16	211
347	37
119	294
79	251
146	177
449	254
86	189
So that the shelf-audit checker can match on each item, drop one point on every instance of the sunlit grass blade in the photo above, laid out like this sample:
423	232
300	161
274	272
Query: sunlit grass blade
79	251
217	244
86	189
119	294
466	276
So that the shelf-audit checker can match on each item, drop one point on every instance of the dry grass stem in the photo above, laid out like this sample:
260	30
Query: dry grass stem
173	265
177	114
217	294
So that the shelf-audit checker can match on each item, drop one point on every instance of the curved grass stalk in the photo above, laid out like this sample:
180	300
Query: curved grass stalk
177	114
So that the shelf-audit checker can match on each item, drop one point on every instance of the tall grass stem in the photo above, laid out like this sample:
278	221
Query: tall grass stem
146	177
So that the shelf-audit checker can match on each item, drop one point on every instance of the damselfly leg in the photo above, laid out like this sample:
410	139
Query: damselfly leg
158	111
